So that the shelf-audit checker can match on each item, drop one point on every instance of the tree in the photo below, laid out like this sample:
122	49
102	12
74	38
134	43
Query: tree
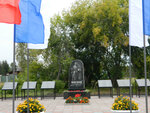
21	55
99	32
11	66
4	68
57	55
137	60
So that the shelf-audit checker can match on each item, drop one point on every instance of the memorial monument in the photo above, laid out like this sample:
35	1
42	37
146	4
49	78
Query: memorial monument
76	82
76	76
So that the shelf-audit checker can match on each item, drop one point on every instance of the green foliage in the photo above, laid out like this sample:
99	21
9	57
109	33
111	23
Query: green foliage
4	68
1	85
21	55
94	31
59	86
100	39
57	56
21	78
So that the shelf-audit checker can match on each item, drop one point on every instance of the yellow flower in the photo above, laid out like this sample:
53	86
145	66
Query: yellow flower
122	103
33	105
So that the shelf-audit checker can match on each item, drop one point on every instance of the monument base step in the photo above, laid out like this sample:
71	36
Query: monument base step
72	94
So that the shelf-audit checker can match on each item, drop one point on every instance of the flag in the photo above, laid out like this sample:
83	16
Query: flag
146	16
31	29
45	8
139	22
9	12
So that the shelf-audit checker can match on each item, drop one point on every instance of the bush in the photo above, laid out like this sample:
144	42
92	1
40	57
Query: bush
123	103
59	86
1	85
20	79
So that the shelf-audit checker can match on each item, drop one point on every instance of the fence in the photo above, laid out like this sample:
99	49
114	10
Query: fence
8	78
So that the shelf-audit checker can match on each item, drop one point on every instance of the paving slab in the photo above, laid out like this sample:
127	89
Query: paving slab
102	105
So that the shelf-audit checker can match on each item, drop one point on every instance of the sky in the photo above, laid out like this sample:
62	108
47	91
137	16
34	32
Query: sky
6	30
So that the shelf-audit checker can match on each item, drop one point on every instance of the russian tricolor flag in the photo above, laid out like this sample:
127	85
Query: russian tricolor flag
26	14
139	22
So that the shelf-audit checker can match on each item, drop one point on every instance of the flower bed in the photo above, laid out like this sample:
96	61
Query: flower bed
122	105
34	106
77	99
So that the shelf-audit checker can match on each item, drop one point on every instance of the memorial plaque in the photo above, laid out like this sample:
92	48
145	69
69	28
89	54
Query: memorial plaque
32	85
104	83
9	86
48	85
123	83
76	75
141	82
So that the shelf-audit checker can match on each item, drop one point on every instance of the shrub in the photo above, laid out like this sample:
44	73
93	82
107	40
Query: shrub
59	86
1	85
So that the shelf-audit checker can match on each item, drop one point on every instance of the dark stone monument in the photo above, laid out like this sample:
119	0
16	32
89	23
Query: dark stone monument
76	80
76	76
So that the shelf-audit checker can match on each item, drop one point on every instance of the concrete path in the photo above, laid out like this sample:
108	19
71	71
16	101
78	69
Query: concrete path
102	105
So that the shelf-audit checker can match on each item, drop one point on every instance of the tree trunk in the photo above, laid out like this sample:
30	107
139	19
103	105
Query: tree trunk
59	70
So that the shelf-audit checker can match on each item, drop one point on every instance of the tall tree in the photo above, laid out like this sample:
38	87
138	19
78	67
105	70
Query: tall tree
99	32
57	55
21	55
4	68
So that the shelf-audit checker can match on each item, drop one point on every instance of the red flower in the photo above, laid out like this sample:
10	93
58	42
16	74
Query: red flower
77	95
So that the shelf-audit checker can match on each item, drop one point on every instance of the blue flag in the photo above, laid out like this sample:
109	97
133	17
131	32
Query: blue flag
31	29
146	17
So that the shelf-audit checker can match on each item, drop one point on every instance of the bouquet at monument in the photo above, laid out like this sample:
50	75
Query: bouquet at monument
34	106
77	99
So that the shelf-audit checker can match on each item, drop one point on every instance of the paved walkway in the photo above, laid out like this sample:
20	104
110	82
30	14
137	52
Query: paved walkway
102	105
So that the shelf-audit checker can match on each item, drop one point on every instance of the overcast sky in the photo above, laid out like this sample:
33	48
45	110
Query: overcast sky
6	30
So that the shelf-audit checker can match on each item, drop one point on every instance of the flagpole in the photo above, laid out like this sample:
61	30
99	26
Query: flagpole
14	52
145	70
130	69
27	79
130	73
13	108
